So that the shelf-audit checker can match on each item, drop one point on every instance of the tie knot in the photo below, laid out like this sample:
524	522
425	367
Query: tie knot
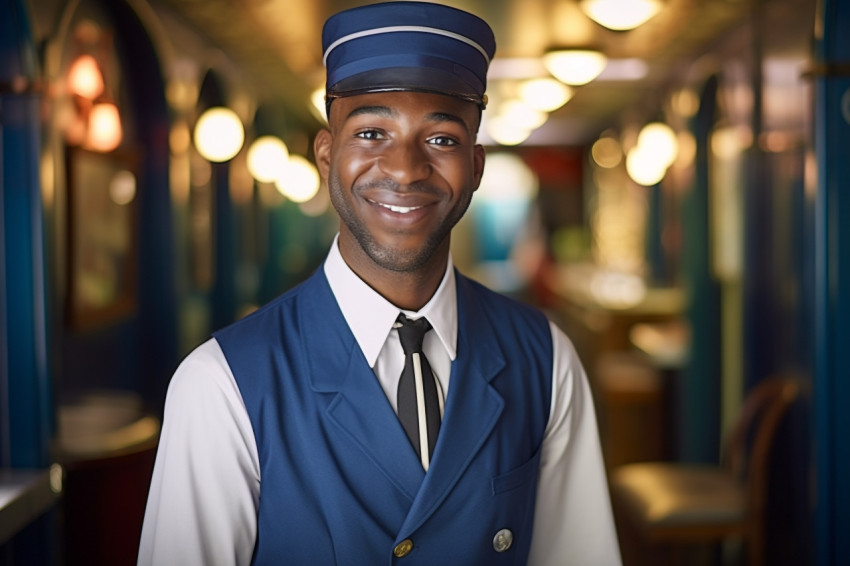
412	332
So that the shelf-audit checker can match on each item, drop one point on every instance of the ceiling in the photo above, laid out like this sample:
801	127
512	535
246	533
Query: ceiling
279	43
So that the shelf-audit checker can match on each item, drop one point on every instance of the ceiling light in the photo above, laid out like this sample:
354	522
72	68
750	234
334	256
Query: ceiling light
621	15
219	134
505	133
575	66
507	178
660	140
606	152
522	115
267	158
643	168
545	94
655	151
301	181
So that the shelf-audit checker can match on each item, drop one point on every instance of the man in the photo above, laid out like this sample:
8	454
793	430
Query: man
325	428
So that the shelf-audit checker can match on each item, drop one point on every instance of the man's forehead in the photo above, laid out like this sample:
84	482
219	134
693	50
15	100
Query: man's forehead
397	105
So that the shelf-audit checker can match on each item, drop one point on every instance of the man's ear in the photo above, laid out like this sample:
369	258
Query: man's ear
478	158
322	151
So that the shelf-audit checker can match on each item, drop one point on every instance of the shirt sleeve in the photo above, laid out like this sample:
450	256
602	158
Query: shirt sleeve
204	494
573	522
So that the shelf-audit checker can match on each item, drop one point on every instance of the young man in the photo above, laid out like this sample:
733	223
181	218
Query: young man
325	428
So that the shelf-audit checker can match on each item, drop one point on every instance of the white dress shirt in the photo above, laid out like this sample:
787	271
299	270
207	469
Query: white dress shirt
204	495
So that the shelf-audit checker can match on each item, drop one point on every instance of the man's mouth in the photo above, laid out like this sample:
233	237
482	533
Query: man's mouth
396	208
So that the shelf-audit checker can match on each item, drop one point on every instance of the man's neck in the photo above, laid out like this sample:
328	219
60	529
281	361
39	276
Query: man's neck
408	290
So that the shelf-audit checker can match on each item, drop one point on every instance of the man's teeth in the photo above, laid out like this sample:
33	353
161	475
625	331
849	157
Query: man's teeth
399	209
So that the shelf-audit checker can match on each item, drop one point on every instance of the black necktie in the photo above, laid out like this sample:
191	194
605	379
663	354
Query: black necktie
418	399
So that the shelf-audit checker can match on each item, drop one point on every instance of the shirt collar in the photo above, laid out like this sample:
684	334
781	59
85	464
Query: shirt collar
370	316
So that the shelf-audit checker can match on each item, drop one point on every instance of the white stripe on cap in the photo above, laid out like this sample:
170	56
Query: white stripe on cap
393	29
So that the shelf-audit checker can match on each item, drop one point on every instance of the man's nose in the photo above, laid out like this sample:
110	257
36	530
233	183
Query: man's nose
406	162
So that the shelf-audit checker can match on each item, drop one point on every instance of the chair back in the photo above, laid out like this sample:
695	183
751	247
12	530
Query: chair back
749	446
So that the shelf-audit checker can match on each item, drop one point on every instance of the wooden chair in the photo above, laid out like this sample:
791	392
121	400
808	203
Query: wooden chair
670	504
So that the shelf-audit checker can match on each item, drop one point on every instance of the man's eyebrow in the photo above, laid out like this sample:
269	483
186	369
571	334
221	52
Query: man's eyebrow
388	112
383	111
446	117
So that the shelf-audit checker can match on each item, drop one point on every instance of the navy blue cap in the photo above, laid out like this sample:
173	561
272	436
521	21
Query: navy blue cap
407	46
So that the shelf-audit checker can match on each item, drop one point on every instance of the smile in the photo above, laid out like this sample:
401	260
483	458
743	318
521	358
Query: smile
395	208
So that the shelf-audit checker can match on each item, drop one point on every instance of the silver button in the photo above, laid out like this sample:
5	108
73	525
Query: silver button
503	540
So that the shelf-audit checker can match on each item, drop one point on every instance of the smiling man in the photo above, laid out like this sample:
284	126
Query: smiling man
388	410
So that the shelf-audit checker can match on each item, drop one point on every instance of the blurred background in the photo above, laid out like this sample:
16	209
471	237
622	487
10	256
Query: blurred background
668	179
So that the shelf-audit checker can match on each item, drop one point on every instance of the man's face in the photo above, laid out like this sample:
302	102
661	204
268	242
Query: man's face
401	168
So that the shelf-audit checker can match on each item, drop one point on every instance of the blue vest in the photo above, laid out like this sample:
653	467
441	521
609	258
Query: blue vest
340	482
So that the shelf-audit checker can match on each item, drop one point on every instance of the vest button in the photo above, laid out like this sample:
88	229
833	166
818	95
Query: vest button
503	540
403	548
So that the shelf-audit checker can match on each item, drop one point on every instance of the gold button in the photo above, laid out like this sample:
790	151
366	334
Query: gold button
403	548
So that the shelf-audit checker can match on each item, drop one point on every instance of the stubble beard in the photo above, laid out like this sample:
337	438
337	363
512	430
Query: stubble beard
386	257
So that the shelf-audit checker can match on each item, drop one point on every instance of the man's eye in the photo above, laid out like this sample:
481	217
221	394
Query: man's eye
369	135
443	141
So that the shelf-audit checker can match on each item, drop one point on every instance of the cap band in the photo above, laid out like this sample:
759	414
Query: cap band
394	29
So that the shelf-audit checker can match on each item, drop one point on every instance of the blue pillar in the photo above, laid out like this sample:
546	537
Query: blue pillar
27	415
699	389
224	301
832	377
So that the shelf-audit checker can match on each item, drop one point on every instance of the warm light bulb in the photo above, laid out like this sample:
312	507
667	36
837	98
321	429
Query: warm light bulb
104	131
507	178
317	99
621	15
575	66
267	158
122	187
660	140
606	152
505	133
219	134
84	77
643	167
522	115
300	181
545	94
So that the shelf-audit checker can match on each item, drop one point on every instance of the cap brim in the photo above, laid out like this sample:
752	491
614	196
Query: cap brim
406	79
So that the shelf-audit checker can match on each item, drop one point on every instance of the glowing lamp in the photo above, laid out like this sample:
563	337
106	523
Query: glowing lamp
606	152
522	115
545	94
621	15
219	134
643	167
575	66
104	131
84	77
267	159
300	181
659	139
504	132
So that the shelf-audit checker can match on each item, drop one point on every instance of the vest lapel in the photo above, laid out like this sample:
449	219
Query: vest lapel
362	414
472	409
360	410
